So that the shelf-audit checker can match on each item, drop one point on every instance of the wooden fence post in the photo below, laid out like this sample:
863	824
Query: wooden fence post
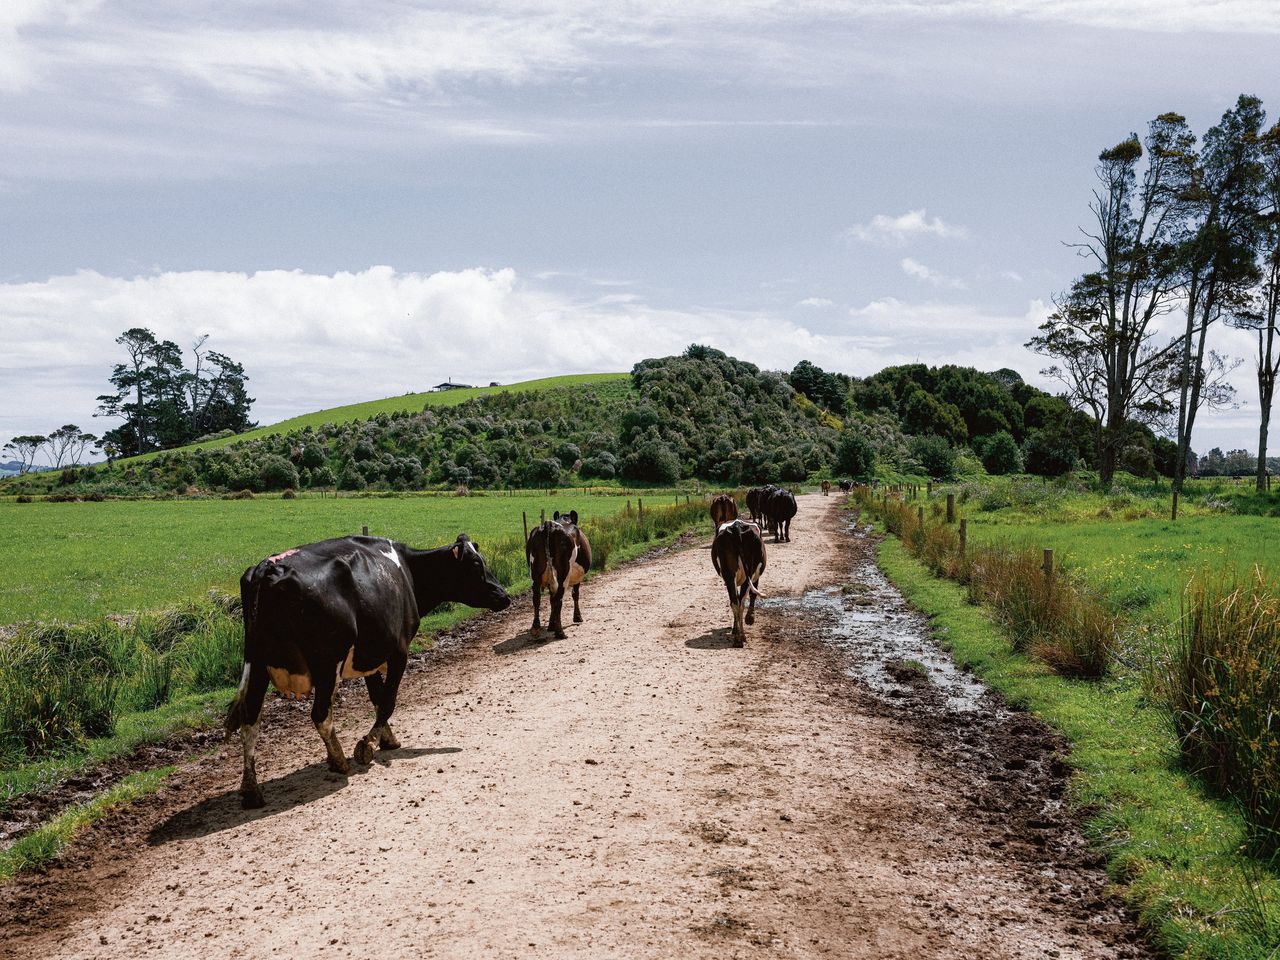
964	535
1047	566
640	507
920	516
951	508
928	489
364	531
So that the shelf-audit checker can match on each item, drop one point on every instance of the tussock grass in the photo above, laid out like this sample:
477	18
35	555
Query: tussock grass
1222	681
1059	619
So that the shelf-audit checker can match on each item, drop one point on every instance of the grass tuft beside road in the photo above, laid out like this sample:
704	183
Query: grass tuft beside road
1177	851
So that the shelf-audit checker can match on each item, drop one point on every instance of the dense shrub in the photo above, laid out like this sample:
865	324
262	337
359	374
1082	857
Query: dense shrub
1049	453
936	457
542	472
1000	454
855	457
651	462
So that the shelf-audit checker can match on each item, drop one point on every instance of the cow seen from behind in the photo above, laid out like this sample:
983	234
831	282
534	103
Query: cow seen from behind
738	555
349	607
559	556
723	509
779	509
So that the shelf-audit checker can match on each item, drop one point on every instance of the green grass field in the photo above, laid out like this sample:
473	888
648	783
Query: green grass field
72	561
1123	542
413	402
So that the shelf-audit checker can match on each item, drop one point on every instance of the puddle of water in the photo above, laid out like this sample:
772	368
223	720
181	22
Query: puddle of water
884	631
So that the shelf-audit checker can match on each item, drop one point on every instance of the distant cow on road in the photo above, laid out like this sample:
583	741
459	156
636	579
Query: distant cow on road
723	509
349	607
756	497
846	485
738	554
826	488
559	557
779	508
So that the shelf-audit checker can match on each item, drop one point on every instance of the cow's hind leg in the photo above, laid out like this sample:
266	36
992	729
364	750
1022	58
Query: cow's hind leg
536	630
245	714
322	717
557	604
383	694
577	610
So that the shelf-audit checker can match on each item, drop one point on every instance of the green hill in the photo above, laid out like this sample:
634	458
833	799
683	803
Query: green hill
409	402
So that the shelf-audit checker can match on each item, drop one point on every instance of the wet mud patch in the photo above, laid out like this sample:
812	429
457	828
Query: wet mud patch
1004	773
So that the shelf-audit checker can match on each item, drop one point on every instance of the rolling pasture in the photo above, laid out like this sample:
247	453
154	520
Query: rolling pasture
71	561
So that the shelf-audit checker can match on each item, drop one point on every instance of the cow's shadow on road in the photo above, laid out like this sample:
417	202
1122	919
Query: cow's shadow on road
312	782
524	641
721	638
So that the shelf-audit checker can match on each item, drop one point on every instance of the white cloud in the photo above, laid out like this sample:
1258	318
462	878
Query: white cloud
919	271
815	302
310	341
896	231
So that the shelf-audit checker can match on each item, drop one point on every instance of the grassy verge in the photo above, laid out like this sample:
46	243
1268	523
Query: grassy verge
46	843
1177	851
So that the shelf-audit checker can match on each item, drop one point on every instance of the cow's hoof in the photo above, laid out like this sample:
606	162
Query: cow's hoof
364	753
577	618
738	642
251	799
388	741
535	633
561	635
339	766
751	618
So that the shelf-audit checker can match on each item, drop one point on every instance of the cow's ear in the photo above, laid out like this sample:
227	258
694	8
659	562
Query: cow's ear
556	515
573	516
457	551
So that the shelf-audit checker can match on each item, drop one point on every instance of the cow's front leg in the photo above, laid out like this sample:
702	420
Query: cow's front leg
577	610
322	717
536	630
554	624
383	695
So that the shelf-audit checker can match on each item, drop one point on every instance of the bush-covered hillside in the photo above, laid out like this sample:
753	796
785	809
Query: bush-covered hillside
699	415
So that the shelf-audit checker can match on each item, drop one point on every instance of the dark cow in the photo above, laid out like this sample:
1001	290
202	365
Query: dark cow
723	509
826	488
317	614
779	508
559	557
846	485
756	498
738	555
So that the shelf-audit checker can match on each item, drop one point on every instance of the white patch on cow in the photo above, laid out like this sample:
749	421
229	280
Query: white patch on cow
472	547
244	678
391	555
727	524
292	685
349	672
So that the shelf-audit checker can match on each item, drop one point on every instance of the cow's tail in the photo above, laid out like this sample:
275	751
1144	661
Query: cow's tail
553	581
250	591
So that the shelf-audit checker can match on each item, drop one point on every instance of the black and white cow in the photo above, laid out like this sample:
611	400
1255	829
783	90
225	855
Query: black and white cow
559	557
349	607
738	554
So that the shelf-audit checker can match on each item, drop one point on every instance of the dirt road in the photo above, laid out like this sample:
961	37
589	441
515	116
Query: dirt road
640	789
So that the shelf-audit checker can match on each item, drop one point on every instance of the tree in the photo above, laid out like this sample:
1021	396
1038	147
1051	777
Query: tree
855	457
1216	257
163	404
1103	331
935	455
68	444
1000	454
1049	452
819	386
1261	311
24	449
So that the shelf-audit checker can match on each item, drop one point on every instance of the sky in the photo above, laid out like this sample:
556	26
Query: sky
361	200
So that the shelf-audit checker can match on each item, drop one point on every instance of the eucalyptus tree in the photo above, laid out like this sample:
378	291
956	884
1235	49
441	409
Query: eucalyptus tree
1261	311
1103	334
1220	225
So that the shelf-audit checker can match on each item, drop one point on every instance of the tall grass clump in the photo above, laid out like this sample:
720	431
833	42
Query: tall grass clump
1223	685
1056	618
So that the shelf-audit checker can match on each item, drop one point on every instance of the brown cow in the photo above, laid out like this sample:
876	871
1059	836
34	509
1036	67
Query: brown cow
826	488
723	509
559	558
738	555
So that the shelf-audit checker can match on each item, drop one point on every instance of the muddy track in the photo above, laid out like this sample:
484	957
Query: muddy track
640	789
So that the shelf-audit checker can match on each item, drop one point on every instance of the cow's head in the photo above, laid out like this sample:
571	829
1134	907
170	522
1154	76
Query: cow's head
571	516
476	585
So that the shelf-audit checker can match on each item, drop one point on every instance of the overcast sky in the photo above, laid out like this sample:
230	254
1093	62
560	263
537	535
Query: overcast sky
359	200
